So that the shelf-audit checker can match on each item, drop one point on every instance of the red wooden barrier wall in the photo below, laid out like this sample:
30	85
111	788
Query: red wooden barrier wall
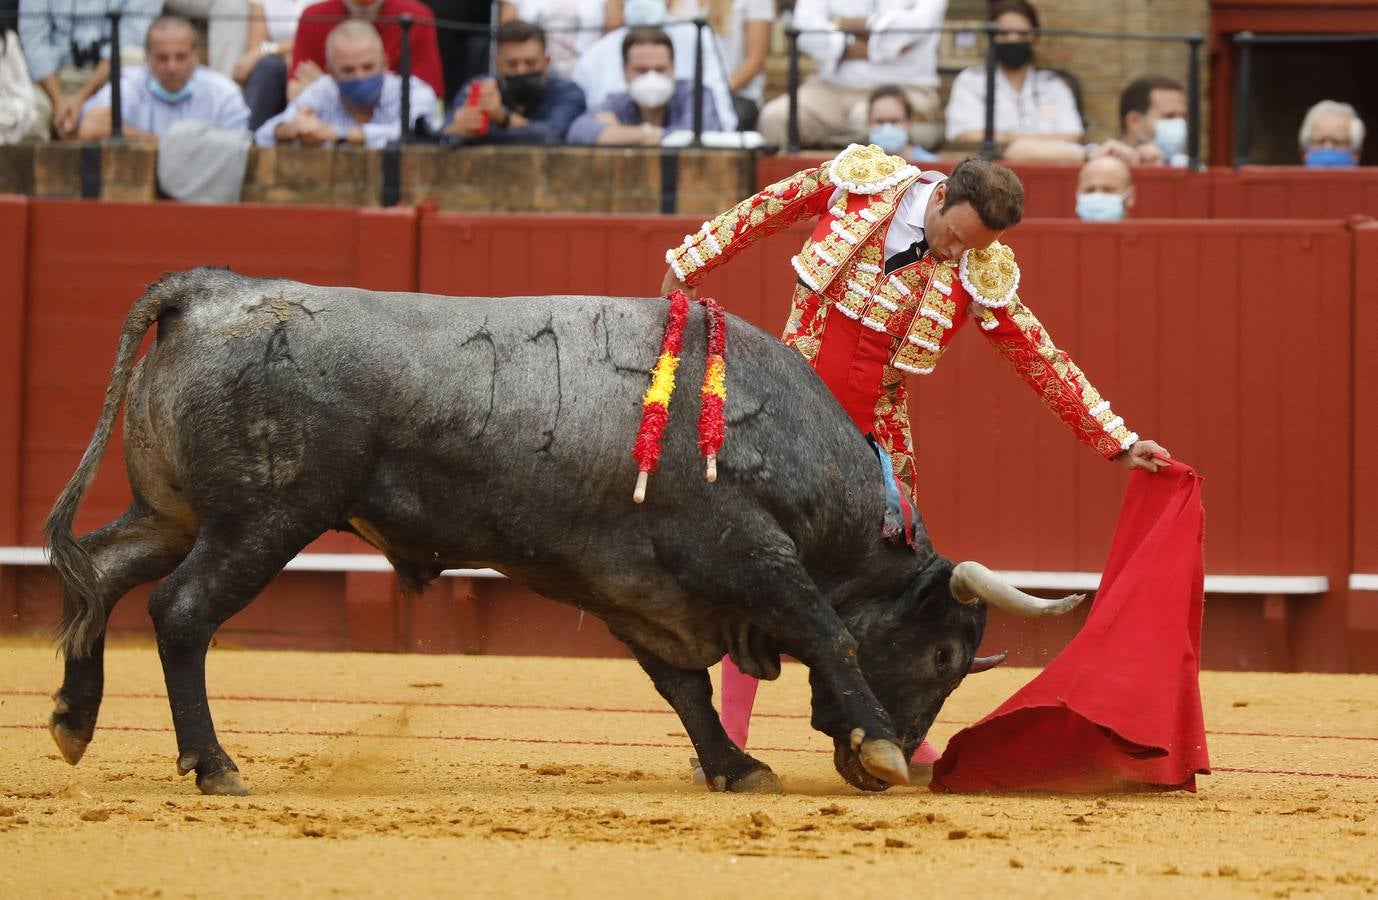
1363	609
1231	342
1252	192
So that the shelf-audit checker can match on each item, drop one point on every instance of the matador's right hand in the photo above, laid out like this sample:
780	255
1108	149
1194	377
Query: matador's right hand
672	283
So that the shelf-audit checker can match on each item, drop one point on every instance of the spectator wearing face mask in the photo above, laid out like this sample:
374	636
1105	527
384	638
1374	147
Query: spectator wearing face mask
1153	122
1030	103
1105	189
600	72
308	45
889	119
1332	135
654	103
359	103
171	87
525	104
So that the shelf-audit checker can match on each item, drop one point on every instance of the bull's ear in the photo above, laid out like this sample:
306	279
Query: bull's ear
983	663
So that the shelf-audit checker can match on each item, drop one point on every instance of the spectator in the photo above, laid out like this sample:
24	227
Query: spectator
67	45
170	87
654	103
599	72
571	26
833	103
262	67
889	119
18	106
227	28
1030	103
526	104
1105	189
1332	134
743	30
1153	122
308	47
360	103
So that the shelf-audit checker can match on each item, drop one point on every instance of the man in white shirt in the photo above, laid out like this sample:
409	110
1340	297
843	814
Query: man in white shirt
172	87
894	50
360	103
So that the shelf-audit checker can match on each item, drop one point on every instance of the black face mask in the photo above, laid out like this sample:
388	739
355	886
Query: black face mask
523	90
1015	55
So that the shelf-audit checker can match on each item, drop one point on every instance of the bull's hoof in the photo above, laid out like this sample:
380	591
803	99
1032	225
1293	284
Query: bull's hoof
225	783
757	781
72	745
884	760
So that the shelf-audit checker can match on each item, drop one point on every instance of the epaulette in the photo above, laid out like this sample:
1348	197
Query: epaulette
868	169
991	275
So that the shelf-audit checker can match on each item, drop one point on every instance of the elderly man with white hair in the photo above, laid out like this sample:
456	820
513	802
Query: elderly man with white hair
1332	134
360	103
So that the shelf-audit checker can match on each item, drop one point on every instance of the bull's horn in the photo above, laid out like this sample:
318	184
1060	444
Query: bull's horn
982	663
972	581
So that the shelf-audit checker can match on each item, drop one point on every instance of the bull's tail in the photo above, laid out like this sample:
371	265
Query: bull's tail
82	614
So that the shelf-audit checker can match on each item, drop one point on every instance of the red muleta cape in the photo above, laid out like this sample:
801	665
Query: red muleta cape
1120	707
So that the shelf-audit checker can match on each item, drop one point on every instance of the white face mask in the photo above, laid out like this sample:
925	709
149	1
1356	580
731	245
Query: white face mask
651	90
1171	136
637	13
1099	207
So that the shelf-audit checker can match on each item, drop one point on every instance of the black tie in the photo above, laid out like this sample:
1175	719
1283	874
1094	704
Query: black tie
906	257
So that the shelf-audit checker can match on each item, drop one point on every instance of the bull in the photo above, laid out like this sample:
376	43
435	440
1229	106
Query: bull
496	432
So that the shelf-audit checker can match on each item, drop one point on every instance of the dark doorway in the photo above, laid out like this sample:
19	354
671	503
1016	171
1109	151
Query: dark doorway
1287	79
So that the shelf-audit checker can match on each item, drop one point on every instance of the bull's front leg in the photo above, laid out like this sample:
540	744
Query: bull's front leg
690	694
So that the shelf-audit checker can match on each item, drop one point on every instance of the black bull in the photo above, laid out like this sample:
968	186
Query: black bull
497	432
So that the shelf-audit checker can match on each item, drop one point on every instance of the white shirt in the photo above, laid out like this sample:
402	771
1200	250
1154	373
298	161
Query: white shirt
282	16
571	27
322	96
905	59
599	71
1044	105
734	39
906	227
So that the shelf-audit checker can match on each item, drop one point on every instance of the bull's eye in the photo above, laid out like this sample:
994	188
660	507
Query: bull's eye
941	658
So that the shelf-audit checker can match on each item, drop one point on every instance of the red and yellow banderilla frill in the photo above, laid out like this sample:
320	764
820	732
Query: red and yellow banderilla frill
655	404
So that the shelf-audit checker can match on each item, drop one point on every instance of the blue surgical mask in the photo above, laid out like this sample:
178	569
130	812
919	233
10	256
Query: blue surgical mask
1171	137
1100	207
1330	157
166	95
889	137
637	13
362	92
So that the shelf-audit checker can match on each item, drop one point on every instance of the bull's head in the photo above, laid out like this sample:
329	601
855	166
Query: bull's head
915	649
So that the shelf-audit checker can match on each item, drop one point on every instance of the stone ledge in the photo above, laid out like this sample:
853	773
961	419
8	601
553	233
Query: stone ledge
469	179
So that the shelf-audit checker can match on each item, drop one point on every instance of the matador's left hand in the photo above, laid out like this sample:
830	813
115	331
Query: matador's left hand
1148	455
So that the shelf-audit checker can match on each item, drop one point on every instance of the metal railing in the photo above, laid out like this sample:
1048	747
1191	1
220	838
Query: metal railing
1245	41
1193	40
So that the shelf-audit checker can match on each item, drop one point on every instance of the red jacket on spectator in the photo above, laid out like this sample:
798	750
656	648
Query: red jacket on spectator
309	43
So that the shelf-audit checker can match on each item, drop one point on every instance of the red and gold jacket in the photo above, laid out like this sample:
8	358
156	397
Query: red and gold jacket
902	321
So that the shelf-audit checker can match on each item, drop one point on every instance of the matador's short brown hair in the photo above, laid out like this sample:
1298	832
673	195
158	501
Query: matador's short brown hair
992	190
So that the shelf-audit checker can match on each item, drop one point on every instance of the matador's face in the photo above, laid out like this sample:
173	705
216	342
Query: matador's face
953	231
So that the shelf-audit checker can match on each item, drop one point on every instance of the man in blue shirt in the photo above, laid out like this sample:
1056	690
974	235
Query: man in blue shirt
654	103
526	104
171	87
360	103
67	46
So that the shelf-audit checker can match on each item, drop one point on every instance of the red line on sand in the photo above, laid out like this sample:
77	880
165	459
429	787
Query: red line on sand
657	745
665	711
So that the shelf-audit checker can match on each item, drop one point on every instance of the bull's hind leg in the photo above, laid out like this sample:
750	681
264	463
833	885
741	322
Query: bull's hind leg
690	693
225	571
139	547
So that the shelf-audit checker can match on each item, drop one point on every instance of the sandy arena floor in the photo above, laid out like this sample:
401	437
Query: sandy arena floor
412	775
